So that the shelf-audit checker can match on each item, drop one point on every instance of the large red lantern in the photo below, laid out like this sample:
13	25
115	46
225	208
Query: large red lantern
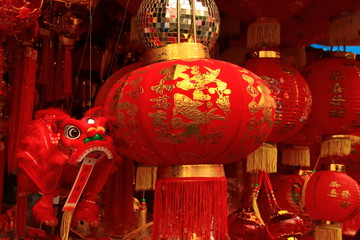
331	197
336	105
293	104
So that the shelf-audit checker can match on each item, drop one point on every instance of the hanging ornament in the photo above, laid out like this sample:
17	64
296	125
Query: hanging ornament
293	105
333	81
180	114
331	197
16	16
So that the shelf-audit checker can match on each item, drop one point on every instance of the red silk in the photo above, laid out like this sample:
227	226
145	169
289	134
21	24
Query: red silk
336	104
67	77
291	93
331	196
188	207
191	112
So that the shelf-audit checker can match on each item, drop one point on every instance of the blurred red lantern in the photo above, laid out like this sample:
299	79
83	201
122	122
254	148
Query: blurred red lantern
16	16
292	97
332	197
334	84
245	225
285	225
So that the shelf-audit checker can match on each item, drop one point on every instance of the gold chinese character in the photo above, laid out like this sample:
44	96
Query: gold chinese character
337	100
333	193
337	88
337	112
334	184
345	204
336	76
161	102
345	194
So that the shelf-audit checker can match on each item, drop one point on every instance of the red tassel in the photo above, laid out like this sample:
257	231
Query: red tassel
190	208
67	77
22	101
59	73
118	200
21	207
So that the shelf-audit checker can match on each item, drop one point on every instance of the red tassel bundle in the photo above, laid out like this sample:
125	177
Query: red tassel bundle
190	207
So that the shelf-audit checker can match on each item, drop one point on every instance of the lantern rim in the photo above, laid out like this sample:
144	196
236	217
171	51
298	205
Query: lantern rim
334	167
176	51
266	54
191	170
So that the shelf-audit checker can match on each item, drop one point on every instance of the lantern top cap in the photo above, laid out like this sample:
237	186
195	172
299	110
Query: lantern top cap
176	51
196	170
266	54
339	54
334	167
164	22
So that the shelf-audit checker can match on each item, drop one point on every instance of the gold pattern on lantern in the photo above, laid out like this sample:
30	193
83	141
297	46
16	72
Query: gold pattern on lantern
334	184
333	193
204	86
345	194
336	101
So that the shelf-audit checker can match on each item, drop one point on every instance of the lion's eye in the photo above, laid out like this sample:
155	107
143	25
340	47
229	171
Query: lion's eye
72	132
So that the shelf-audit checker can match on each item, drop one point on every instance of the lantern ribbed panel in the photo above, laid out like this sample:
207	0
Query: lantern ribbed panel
192	112
291	93
331	196
334	83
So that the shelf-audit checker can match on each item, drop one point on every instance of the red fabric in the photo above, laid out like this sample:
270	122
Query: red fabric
67	77
118	200
334	85
331	196
47	68
191	112
22	100
187	206
291	92
59	75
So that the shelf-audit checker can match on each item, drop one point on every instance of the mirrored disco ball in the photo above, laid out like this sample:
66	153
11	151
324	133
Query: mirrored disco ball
157	22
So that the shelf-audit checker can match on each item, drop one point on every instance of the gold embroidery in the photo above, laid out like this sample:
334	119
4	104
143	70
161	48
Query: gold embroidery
336	100
333	193
345	194
334	184
161	102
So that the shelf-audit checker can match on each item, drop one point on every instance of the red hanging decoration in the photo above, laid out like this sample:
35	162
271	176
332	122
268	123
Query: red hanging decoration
293	104
331	197
333	82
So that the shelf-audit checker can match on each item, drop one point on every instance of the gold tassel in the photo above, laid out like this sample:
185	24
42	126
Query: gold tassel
145	178
256	208
143	213
264	158
335	145
263	31
296	156
344	29
65	225
325	230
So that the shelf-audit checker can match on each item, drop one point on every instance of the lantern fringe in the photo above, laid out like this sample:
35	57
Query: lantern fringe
145	178
328	232
256	208
65	224
264	31
296	156
190	208
264	158
335	147
344	29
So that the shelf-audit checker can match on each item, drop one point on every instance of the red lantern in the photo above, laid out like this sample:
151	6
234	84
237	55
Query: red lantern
189	109
334	84
285	225
332	197
245	225
293	103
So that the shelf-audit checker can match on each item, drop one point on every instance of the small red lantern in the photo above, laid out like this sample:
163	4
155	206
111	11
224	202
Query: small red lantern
245	225
293	103
332	197
334	84
285	225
